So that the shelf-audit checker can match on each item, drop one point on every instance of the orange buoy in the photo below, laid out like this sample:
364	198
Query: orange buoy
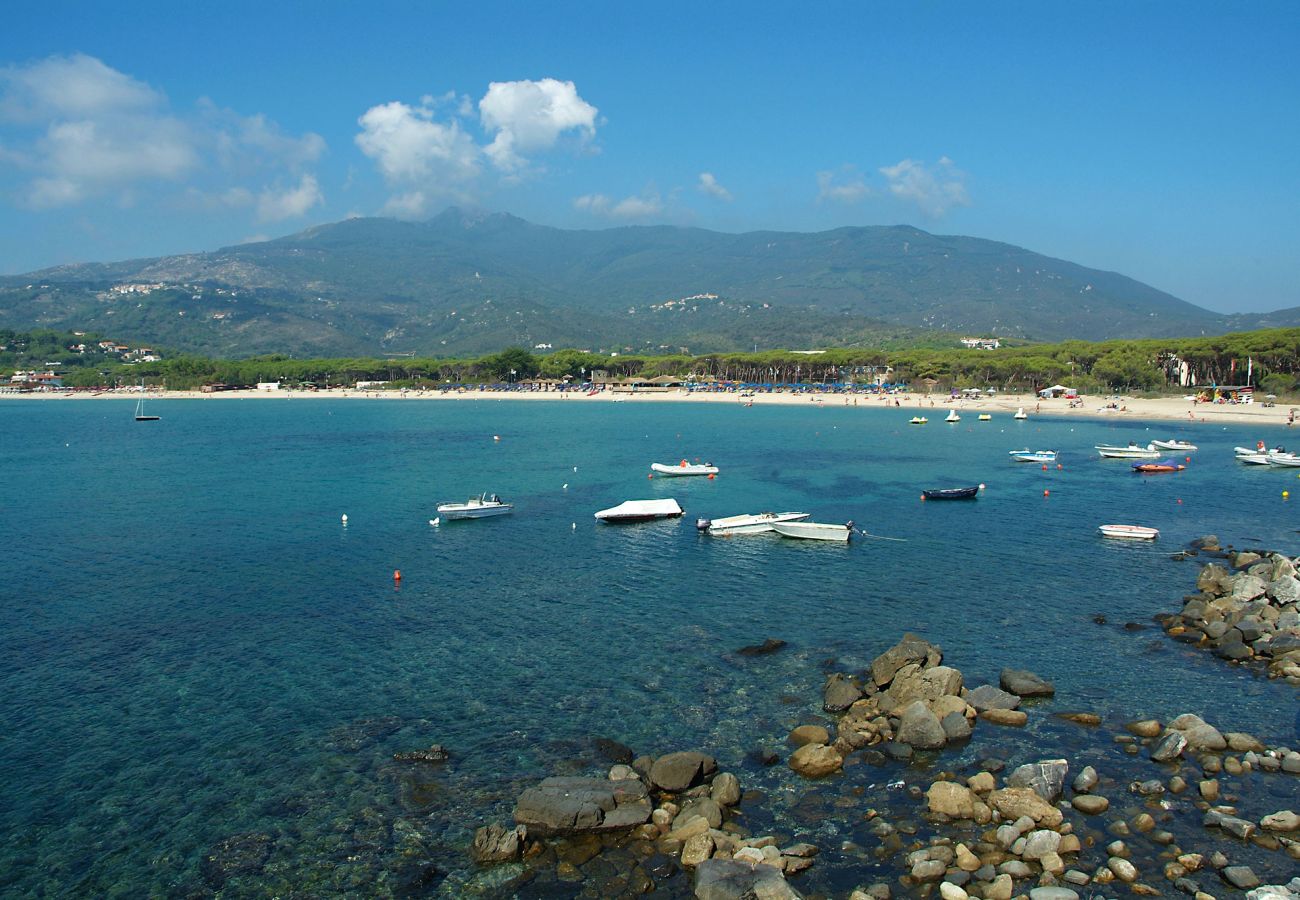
1047	493
923	496
397	574
1187	459
651	475
1044	467
1058	465
712	475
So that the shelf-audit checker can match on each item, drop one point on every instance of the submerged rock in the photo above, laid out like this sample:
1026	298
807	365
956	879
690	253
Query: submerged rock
494	843
771	645
1024	683
238	855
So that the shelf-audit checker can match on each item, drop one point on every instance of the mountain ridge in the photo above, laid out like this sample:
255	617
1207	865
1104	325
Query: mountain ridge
464	278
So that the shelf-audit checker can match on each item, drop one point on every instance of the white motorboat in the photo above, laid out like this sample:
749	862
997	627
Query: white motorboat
1020	413
1249	457
814	531
479	507
640	511
1033	456
1173	445
1132	451
1129	532
952	416
756	523
1282	458
684	468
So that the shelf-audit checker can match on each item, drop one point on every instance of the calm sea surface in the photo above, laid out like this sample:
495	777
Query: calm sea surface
194	646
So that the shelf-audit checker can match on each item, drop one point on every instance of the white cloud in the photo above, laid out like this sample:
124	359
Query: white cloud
851	188
413	152
645	206
709	185
275	206
935	190
530	116
81	130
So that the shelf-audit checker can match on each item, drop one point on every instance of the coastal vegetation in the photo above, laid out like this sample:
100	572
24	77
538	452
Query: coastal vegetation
1271	357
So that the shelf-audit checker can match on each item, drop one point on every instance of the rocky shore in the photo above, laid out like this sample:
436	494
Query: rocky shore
1246	609
1145	807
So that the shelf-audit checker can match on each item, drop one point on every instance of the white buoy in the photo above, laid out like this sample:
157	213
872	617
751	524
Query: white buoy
434	522
574	526
496	437
981	485
575	468
566	486
345	518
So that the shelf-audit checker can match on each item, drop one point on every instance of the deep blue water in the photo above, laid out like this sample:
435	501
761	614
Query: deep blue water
191	636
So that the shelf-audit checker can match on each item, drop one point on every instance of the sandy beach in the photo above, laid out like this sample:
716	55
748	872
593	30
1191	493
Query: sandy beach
934	407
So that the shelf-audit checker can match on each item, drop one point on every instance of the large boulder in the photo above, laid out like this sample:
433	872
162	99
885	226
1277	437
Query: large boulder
495	843
919	727
1024	683
679	771
986	696
1046	778
913	682
733	879
560	806
1014	802
951	799
840	693
1200	734
816	760
910	649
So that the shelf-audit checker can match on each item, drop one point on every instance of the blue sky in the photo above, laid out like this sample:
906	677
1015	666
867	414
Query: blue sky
1155	139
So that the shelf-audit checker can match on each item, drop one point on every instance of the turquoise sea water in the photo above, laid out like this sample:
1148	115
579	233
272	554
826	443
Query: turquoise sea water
194	646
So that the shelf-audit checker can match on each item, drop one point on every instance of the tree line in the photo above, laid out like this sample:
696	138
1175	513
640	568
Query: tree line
1272	356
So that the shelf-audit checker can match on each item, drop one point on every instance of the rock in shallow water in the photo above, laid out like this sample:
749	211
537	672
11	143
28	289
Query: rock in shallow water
572	805
920	728
729	879
240	854
1024	683
679	771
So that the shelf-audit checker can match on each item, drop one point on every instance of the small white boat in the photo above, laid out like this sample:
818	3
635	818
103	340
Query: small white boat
684	468
479	507
1249	457
985	417
814	531
1132	451
1173	445
952	416
640	511
917	420
1033	456
1129	532
1020	413
755	523
1282	458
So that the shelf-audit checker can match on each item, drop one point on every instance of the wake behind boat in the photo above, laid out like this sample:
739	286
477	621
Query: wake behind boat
640	511
480	507
684	468
814	531
750	523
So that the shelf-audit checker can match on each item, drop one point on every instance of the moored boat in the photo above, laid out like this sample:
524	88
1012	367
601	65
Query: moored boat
1164	465
1129	532
749	523
985	417
965	493
640	511
684	468
952	416
1280	457
1033	456
1020	413
1132	451
479	507
917	420
814	531
1173	445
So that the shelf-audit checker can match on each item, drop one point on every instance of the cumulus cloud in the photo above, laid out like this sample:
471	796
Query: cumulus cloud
846	186
276	205
80	129
934	189
416	153
709	185
645	206
526	117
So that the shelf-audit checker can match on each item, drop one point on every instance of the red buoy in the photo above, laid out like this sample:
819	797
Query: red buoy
1047	493
397	575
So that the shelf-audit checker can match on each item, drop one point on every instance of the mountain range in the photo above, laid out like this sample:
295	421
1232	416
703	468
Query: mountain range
468	282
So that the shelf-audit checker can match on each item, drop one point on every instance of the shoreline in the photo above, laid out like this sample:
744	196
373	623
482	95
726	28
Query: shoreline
1136	409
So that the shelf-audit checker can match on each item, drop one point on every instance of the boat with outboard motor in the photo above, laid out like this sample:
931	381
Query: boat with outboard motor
1174	445
1033	456
479	507
749	523
684	468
